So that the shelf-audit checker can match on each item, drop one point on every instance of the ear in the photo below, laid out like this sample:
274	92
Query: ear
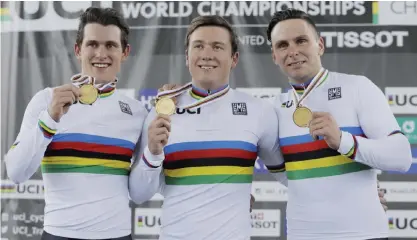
235	59
186	58
321	46
77	51
126	52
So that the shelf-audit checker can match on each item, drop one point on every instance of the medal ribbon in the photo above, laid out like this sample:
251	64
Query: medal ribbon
319	78
78	80
199	103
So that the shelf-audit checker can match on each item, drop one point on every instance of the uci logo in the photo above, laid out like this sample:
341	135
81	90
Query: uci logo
182	111
287	104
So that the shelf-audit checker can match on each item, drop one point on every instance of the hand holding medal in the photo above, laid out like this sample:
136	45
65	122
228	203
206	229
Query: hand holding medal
88	92
323	124
62	98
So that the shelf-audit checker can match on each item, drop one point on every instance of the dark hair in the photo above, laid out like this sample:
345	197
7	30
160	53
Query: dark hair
105	17
286	15
217	21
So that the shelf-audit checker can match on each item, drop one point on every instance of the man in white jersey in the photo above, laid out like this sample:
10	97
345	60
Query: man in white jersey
334	130
84	149
201	159
182	212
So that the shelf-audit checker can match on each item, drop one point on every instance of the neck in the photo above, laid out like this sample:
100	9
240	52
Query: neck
203	90
101	81
304	79
209	87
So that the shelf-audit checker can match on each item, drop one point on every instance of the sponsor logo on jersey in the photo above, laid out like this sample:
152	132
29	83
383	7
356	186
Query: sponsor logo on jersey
403	100
239	109
125	108
334	93
402	223
188	111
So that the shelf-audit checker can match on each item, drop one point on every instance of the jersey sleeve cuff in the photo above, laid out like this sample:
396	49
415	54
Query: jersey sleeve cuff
47	125
348	145
151	160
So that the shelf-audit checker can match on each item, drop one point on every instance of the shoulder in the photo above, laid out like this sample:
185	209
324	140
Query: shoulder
257	104
349	79
135	106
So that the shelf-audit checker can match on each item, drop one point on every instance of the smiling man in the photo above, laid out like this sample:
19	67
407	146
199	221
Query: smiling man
84	150
334	130
203	162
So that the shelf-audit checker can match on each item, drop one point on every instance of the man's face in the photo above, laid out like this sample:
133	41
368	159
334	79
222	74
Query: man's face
209	56
101	52
297	49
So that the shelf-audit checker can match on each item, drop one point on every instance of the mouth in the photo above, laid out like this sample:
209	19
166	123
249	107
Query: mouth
207	67
101	65
298	63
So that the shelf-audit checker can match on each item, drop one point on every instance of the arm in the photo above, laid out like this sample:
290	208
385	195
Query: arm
268	146
36	132
146	177
384	147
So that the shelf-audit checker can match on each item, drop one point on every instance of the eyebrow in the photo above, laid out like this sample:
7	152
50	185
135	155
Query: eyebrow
296	38
214	43
106	42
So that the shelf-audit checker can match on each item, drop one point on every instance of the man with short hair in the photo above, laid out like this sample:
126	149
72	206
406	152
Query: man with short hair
85	148
334	130
202	160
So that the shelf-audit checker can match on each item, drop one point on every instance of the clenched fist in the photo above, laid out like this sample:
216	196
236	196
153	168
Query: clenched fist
62	98
158	133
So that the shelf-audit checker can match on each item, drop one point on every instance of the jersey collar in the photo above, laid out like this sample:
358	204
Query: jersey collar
199	93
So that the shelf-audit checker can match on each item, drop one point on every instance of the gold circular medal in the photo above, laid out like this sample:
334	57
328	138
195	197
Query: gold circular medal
302	116
165	106
88	94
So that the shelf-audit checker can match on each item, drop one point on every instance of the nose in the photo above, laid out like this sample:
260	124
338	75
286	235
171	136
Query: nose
101	52
207	54
292	50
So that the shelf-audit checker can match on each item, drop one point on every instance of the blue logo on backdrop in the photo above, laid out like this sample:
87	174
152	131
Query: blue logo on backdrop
145	96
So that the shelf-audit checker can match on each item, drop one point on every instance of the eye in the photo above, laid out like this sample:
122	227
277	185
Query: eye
217	47
282	45
301	41
198	46
92	44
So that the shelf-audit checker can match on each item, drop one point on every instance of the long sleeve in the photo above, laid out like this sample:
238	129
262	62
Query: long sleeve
269	150
384	146
146	178
36	132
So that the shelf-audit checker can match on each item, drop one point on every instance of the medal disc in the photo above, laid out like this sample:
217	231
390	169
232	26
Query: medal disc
302	116
165	106
88	94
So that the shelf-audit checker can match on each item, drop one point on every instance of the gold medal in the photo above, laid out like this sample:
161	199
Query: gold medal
302	116
88	94
165	106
